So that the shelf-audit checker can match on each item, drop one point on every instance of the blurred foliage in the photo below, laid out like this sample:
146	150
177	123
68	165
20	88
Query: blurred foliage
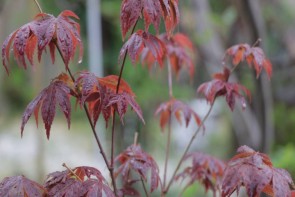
285	123
283	157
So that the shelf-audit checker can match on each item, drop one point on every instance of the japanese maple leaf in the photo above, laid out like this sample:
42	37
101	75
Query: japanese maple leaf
20	186
220	86
253	55
255	172
206	169
101	96
143	40
179	50
135	159
170	13
176	107
86	181
45	30
120	103
131	11
56	93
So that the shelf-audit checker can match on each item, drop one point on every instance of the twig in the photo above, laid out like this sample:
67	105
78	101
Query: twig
187	148
93	129
114	114
258	41
144	188
73	173
135	138
38	5
169	125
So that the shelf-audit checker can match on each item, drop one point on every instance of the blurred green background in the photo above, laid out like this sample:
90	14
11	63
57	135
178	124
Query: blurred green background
213	26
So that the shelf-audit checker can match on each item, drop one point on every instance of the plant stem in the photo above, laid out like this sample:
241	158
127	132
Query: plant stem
169	125
187	149
93	129
73	173
144	188
114	115
167	151
170	80
38	5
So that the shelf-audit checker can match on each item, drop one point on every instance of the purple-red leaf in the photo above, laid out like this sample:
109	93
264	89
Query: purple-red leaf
135	159
143	40
44	30
101	96
86	181
179	51
56	93
176	107
131	11
253	55
170	14
220	86
206	169
255	172
20	186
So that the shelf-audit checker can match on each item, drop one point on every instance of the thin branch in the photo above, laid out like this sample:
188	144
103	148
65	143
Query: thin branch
135	138
169	124
167	151
144	188
187	149
110	168
114	115
73	173
38	5
170	79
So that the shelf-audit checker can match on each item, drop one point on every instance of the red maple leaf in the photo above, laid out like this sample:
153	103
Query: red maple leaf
101	96
254	171
135	159
86	181
176	107
179	50
170	14
44	30
131	11
140	40
20	186
253	55
220	86
56	93
206	169
152	12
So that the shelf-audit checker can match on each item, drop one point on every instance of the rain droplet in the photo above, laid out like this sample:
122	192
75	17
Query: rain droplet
80	61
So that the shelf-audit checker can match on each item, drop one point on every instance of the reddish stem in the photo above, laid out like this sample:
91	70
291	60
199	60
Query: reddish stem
93	129
169	125
187	149
114	114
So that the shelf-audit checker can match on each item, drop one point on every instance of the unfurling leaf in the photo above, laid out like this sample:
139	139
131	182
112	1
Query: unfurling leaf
20	186
86	181
135	159
220	86
206	169
179	50
255	172
56	93
101	96
44	30
176	107
253	55
143	40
